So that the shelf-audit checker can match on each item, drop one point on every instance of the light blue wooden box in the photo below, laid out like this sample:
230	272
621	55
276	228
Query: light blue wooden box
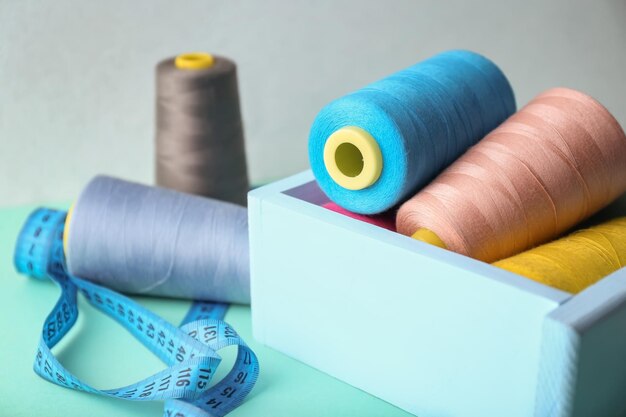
431	331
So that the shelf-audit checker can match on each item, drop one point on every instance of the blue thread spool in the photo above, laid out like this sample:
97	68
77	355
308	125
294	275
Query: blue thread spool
375	147
149	240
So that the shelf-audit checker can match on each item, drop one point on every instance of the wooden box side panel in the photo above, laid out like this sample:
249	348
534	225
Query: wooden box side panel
583	365
435	335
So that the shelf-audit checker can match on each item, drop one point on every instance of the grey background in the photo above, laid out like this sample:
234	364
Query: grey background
77	77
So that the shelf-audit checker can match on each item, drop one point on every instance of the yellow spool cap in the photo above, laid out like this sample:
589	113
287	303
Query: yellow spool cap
428	236
352	158
66	229
194	60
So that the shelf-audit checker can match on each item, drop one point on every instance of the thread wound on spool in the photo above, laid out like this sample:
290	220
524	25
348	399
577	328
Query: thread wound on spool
549	166
199	135
574	262
384	220
352	158
149	240
422	118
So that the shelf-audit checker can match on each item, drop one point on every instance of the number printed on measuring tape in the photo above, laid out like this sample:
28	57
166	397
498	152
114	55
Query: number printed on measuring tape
189	351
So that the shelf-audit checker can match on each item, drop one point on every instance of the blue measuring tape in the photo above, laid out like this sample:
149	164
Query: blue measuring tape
189	351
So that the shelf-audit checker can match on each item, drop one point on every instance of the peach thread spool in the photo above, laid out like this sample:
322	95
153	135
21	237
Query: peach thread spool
549	166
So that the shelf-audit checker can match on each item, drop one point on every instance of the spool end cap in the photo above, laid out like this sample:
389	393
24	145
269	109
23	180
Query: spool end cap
428	236
352	158
66	229
194	60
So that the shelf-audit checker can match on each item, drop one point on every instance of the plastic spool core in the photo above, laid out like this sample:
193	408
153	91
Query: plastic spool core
194	60
428	236
352	158
66	229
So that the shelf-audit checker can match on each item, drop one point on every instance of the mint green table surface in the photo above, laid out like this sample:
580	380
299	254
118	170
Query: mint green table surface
104	355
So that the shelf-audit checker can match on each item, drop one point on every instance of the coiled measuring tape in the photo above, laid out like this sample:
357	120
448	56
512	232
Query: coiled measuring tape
190	352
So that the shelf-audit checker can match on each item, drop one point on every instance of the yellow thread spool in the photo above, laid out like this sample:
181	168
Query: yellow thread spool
576	261
352	158
194	60
571	263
